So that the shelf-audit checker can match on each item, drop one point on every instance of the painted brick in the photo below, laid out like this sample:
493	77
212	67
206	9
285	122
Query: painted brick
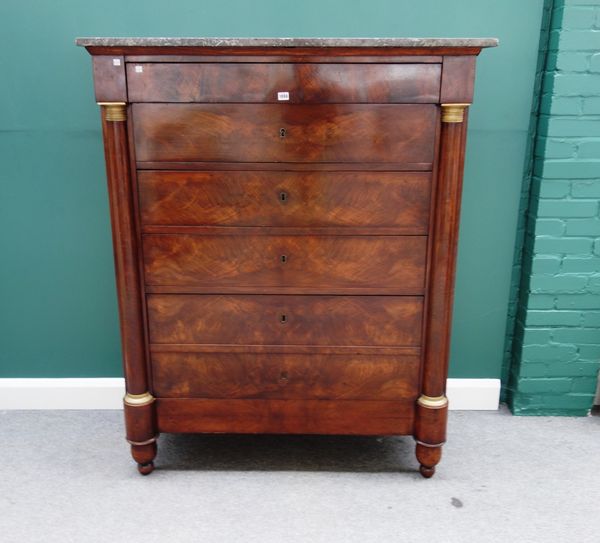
591	353
569	401
583	227
575	40
549	227
522	404
553	318
538	165
555	189
592	319
587	149
534	370
575	368
577	17
554	148
557	283
591	106
577	335
564	105
556	17
586	189
561	208
553	412
554	385
557	127
575	84
578	169
549	245
548	81
593	287
546	264
550	412
568	62
554	38
549	353
541	301
570	404
537	336
577	301
584	384
595	59
574	264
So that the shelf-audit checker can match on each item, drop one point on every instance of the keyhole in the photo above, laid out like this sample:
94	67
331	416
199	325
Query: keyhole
283	376
283	196
283	259
282	132
283	319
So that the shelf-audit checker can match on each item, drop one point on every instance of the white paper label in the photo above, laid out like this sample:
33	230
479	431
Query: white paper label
283	96
116	62
139	69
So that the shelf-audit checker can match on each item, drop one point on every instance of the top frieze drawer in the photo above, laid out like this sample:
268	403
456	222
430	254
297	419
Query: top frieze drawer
281	82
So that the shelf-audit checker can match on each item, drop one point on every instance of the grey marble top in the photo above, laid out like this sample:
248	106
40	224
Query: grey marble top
287	42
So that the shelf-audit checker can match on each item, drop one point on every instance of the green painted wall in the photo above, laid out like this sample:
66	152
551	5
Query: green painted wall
58	314
517	273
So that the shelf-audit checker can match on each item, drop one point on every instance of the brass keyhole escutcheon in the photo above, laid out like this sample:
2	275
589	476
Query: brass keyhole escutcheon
283	196
283	259
282	132
283	318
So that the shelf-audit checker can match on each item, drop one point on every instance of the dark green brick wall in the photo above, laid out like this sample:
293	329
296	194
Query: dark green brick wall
556	345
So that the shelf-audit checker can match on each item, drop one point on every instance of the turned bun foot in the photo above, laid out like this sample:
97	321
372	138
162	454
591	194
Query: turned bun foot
426	472
428	457
146	469
144	456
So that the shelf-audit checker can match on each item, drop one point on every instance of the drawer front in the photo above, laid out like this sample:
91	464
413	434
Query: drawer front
300	199
285	376
378	133
349	417
303	83
285	320
263	261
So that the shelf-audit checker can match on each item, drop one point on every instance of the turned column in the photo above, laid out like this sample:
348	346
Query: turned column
138	402
432	405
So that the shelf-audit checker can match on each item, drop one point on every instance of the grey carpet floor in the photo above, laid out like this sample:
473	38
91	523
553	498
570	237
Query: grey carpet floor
67	476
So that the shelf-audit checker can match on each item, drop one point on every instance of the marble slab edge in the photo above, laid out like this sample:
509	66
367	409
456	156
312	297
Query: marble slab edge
286	42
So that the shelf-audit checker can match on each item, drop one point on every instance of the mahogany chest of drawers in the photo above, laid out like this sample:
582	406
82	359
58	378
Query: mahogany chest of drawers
285	217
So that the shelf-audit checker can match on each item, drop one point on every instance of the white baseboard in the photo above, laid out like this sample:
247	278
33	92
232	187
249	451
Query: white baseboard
72	393
473	394
107	393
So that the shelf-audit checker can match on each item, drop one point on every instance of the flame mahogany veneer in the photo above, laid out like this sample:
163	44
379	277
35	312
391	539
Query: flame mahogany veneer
285	225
